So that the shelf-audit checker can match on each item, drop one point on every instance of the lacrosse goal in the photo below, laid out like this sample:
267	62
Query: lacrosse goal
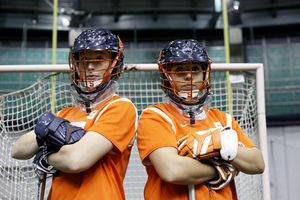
241	94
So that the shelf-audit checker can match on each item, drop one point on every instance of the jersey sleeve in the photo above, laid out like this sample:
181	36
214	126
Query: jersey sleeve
154	131
118	123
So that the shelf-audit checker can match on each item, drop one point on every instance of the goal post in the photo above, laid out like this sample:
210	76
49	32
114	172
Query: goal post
20	110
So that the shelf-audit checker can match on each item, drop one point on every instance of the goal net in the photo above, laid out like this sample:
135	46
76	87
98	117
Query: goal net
240	93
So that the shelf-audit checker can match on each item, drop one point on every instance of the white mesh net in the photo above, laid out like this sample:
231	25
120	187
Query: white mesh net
20	110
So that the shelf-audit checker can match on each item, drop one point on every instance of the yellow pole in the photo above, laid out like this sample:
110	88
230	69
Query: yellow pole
227	54
54	46
225	31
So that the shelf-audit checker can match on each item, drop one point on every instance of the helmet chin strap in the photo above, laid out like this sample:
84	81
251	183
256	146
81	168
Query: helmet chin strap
87	105
87	101
192	117
192	95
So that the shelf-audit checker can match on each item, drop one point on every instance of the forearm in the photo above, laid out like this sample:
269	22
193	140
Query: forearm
25	147
180	170
249	161
82	155
190	172
64	160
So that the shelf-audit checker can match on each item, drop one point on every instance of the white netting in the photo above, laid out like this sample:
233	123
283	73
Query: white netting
20	110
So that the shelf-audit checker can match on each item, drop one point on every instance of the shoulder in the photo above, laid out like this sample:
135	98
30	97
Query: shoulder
218	114
120	102
216	111
118	106
221	117
115	102
155	109
157	114
65	111
117	98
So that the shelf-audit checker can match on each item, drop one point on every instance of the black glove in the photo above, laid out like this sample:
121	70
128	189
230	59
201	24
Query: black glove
40	163
56	131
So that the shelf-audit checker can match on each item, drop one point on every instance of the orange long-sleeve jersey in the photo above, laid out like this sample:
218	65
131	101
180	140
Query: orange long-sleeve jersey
116	120
159	128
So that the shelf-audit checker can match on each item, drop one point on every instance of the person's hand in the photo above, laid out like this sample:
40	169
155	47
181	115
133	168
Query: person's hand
201	145
56	131
40	163
226	173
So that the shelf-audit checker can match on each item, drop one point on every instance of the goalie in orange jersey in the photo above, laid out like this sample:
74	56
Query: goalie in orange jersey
86	147
190	150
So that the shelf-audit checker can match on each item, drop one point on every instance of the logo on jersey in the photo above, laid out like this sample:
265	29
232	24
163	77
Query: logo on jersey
92	114
218	125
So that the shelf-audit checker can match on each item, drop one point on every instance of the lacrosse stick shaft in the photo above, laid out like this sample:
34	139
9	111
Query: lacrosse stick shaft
43	186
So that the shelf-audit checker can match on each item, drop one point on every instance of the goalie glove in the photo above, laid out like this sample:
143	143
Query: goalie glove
56	131
40	163
226	172
203	145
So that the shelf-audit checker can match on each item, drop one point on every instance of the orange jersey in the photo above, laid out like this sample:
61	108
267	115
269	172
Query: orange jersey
116	120
159	128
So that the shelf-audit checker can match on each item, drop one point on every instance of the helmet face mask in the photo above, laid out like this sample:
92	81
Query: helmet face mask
92	68
96	62
186	81
185	72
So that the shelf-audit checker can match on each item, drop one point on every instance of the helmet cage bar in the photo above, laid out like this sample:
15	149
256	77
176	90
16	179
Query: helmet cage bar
117	60
193	95
79	76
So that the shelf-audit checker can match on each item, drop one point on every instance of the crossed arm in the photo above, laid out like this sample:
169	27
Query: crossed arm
180	170
186	171
25	147
249	161
82	155
71	158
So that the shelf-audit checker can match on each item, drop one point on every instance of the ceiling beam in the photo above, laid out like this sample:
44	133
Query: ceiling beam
155	6
116	13
274	10
194	13
75	19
